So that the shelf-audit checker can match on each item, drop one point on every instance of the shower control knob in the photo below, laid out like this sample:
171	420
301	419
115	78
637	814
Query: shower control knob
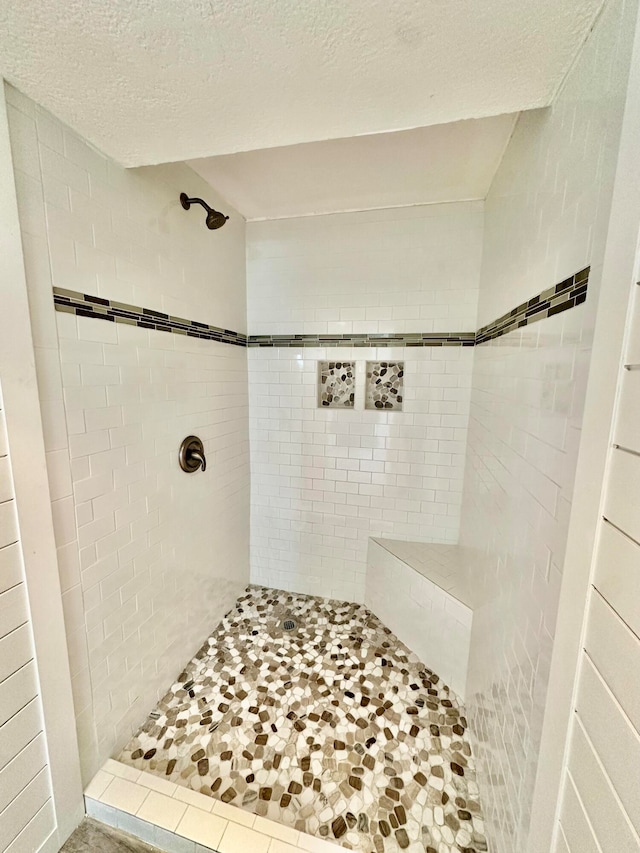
191	455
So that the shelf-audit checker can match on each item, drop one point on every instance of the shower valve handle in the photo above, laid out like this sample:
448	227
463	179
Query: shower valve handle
192	456
199	457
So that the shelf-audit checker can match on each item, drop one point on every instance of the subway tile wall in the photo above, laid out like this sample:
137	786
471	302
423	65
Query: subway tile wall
546	217
546	214
412	269
524	433
150	558
162	555
324	481
121	233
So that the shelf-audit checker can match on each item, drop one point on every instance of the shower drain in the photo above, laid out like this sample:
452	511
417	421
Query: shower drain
289	625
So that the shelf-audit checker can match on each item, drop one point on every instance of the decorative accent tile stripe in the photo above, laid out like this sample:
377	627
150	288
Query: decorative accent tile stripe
83	305
397	339
569	293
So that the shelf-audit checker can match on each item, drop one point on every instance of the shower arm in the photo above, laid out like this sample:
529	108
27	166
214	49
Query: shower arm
186	202
214	219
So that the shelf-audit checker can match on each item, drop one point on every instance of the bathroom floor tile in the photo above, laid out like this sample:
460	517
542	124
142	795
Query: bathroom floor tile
331	727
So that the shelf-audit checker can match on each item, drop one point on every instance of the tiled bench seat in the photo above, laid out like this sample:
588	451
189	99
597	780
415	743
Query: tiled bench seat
418	590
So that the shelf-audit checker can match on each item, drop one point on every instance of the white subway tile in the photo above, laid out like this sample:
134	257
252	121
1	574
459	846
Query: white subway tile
161	810
124	795
204	828
239	839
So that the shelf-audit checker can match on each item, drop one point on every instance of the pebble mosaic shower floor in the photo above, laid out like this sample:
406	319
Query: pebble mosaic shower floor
334	728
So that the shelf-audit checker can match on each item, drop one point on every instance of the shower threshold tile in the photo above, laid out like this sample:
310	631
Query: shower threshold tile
162	811
202	827
124	796
239	839
330	730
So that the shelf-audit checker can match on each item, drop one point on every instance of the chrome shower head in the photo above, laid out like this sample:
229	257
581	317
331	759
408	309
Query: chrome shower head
214	219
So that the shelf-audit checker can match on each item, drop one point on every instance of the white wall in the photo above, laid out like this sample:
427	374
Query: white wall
546	217
324	481
27	817
601	784
149	558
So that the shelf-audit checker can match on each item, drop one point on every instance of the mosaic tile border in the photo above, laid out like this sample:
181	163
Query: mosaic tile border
561	297
84	305
567	294
399	339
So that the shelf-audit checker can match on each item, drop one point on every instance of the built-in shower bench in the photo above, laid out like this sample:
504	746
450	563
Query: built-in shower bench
419	591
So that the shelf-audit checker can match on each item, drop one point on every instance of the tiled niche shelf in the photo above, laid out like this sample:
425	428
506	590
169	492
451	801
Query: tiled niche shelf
336	384
385	386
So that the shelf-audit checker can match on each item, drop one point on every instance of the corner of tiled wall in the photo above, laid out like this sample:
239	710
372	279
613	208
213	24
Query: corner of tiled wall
28	124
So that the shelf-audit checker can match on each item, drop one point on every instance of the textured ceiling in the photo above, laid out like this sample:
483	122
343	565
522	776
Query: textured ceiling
447	162
151	81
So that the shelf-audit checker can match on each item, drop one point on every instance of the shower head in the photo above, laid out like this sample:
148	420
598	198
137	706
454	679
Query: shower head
214	219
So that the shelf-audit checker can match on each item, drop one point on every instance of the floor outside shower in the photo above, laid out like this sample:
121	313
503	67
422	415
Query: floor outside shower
93	836
334	728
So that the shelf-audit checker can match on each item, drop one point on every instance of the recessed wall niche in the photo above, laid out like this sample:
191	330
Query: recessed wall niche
336	384
385	385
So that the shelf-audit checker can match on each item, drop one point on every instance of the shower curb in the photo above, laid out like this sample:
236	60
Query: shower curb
193	823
